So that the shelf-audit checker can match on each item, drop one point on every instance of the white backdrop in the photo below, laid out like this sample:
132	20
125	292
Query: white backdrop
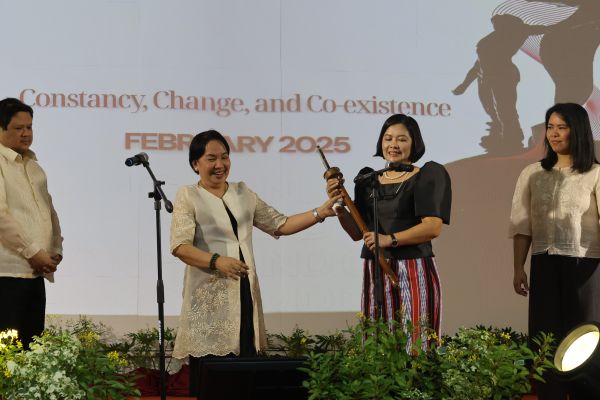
406	51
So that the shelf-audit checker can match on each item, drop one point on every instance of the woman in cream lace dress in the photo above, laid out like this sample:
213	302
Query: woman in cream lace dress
211	233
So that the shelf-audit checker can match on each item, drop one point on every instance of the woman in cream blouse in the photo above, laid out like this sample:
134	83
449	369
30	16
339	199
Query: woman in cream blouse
211	232
555	212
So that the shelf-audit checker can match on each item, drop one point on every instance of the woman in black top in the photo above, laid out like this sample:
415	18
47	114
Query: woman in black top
412	208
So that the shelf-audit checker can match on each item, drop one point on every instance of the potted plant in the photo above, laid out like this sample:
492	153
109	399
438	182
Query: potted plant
62	365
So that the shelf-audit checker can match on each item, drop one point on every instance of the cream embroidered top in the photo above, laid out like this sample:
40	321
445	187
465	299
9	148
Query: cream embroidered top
210	313
28	221
559	210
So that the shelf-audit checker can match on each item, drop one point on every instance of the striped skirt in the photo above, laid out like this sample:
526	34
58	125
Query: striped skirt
418	297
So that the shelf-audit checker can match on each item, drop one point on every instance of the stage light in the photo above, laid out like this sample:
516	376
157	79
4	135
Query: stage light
577	359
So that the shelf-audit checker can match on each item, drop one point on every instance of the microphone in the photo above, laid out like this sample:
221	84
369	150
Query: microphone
138	159
394	166
400	167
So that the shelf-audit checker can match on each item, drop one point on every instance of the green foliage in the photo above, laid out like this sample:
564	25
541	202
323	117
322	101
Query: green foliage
10	346
328	343
373	360
299	343
65	364
474	364
142	347
373	364
487	364
505	334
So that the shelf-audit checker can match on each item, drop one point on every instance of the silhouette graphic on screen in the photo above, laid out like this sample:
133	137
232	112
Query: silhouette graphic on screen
497	78
567	51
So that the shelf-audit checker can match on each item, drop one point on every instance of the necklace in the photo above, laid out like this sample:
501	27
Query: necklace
399	187
402	174
390	196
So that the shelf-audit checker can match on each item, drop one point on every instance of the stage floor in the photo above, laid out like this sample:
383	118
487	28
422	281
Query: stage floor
527	397
168	398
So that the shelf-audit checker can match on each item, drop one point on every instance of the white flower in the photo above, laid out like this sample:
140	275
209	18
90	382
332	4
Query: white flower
11	366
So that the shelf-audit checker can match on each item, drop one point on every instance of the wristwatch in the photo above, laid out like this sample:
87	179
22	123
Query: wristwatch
394	240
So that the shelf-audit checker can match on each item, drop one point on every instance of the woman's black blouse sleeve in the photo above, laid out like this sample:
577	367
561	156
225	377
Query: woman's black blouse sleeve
361	195
433	192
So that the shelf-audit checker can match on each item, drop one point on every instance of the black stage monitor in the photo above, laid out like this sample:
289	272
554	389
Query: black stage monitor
259	378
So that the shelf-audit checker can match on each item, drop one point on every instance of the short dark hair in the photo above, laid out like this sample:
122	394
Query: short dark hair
9	107
199	142
581	138
417	149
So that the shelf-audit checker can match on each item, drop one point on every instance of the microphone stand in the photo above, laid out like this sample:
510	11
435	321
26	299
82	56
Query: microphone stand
373	178
157	194
374	182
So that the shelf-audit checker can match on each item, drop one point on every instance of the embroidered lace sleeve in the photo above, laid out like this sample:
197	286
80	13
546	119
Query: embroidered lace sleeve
267	218
183	223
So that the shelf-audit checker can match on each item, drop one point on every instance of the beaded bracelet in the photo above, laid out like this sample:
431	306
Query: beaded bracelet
212	264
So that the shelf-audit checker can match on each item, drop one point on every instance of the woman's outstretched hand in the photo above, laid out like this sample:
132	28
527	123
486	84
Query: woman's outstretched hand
326	209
